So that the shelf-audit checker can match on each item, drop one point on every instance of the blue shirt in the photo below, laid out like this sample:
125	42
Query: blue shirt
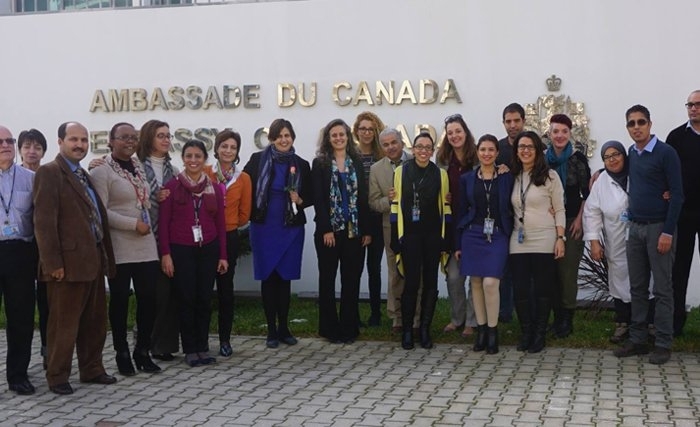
654	170
74	167
16	188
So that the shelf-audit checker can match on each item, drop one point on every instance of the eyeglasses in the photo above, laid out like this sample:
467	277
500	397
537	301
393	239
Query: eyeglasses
127	138
612	156
365	130
8	141
639	122
690	105
164	136
453	118
526	148
424	148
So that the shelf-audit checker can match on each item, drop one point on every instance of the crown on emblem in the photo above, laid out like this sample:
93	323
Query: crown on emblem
553	83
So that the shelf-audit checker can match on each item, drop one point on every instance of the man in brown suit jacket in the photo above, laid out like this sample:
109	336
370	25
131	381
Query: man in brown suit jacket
75	253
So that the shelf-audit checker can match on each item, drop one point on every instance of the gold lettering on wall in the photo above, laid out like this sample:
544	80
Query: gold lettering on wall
336	93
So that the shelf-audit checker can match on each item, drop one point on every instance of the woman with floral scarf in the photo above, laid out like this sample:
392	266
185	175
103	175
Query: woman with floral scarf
342	230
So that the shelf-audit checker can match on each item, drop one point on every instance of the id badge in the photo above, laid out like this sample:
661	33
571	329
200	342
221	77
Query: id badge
489	224
415	214
521	235
197	233
144	217
624	216
10	230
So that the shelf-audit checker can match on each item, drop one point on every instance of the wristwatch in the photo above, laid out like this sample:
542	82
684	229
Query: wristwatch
563	238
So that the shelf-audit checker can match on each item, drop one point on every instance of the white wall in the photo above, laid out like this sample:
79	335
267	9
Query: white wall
610	55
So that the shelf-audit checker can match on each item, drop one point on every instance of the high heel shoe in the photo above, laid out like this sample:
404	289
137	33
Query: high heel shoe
124	364
144	363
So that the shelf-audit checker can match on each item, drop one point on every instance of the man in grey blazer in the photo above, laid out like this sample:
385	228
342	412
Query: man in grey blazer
381	192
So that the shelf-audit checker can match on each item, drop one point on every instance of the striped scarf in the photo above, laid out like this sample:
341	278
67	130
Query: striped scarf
154	187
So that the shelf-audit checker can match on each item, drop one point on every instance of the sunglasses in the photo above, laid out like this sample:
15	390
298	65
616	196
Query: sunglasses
453	118
639	122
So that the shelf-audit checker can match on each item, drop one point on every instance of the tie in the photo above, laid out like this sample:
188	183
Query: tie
397	163
94	215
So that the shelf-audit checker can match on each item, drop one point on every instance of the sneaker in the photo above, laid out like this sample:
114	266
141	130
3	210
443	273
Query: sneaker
660	356
622	332
630	349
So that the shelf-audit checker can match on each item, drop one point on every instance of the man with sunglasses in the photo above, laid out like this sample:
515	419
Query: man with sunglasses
654	167
686	140
19	260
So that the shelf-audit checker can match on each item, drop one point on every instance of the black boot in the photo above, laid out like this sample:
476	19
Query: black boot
427	306
407	338
124	364
492	340
566	326
480	340
522	308
144	363
538	339
558	321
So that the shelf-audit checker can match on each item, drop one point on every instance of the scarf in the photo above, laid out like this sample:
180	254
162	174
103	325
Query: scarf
619	177
188	189
229	177
336	197
559	163
262	188
154	188
137	180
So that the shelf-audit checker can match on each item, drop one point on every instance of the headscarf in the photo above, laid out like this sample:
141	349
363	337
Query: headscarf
619	177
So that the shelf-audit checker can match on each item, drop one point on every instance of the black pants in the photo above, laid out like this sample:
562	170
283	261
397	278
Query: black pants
224	287
687	229
195	272
420	255
42	305
276	296
17	276
166	327
144	276
343	326
534	274
374	252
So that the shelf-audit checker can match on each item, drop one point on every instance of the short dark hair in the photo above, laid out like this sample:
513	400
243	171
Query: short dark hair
487	137
62	130
514	108
562	119
31	135
638	109
276	128
424	134
113	131
225	135
197	144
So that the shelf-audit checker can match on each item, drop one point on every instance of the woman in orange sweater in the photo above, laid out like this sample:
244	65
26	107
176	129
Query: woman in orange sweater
238	199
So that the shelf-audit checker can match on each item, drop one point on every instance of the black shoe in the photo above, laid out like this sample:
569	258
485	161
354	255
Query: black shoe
225	349
144	363
425	340
62	389
124	365
23	388
480	340
660	356
374	320
289	340
492	340
630	349
192	360
103	379
205	359
272	343
407	340
165	357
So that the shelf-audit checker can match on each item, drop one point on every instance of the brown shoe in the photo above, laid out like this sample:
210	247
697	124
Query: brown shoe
467	332
451	327
102	379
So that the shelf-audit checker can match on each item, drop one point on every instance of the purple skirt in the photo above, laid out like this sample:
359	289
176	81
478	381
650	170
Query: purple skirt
480	257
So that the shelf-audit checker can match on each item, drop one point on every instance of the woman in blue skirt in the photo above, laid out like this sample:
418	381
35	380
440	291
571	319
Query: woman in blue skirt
484	228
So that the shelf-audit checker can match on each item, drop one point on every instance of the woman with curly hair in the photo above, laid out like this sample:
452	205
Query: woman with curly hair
457	154
537	240
342	232
366	129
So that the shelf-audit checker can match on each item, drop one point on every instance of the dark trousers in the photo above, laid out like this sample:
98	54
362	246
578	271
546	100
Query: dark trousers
505	289
224	287
534	274
687	229
420	255
195	272
343	326
17	275
276	297
77	320
166	327
42	306
374	252
144	276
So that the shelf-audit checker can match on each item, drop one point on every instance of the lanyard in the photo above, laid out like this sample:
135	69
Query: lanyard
523	194
197	203
487	190
6	206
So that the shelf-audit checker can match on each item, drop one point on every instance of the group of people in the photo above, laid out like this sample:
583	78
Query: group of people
512	215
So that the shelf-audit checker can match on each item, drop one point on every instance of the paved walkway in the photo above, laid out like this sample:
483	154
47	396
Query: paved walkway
375	384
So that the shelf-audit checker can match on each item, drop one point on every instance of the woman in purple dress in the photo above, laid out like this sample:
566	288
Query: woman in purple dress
281	185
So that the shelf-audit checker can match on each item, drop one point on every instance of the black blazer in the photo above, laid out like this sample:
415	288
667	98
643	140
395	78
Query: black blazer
252	168
321	176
